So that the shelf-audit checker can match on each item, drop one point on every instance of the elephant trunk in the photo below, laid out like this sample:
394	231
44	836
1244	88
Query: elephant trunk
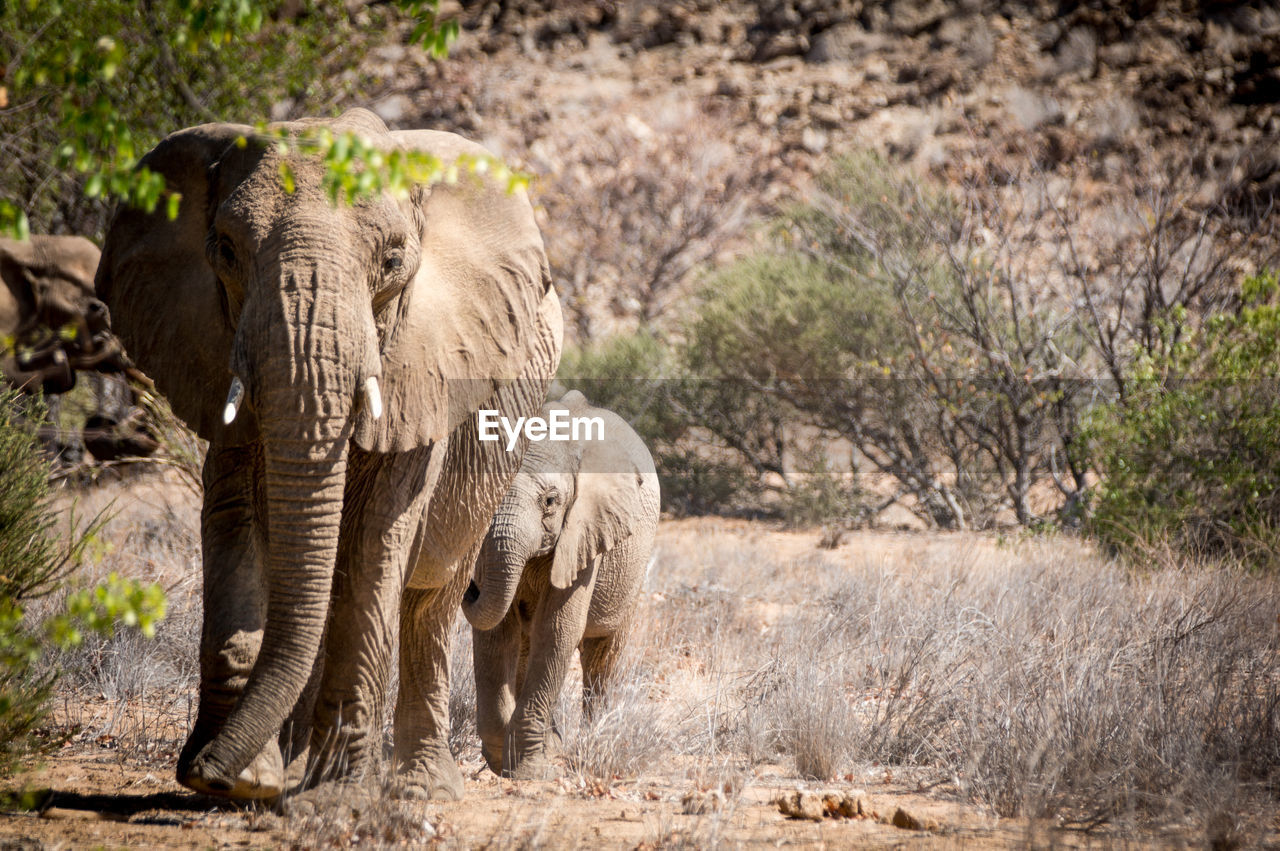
303	361
499	567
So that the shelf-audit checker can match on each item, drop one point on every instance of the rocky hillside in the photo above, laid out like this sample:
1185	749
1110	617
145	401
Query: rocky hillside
660	131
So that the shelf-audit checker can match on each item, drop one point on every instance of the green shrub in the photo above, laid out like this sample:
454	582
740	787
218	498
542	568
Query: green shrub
34	563
1191	454
102	82
821	493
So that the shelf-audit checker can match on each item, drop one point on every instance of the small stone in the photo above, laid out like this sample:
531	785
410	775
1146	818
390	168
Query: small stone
907	821
813	141
841	806
801	805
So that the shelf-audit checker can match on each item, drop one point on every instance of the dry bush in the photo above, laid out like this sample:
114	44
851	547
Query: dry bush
1037	679
621	739
959	338
633	209
126	691
463	738
1033	678
368	817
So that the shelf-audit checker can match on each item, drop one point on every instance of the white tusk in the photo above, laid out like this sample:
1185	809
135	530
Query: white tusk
374	396
234	397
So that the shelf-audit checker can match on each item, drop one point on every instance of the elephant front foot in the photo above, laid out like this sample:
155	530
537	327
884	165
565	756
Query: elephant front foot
337	799
492	757
533	767
262	778
433	777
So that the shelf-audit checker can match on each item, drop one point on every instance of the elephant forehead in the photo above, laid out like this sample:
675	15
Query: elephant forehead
257	208
543	478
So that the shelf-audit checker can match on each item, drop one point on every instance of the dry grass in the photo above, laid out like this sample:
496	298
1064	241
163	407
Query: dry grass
1034	679
126	692
1029	679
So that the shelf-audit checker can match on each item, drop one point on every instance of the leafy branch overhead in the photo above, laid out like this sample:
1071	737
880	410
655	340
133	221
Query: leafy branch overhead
88	89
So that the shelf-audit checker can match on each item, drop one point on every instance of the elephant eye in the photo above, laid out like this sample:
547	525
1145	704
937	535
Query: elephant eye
226	252
550	500
393	263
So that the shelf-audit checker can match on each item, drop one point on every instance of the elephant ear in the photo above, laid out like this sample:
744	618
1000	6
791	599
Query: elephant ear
162	293
472	309
617	486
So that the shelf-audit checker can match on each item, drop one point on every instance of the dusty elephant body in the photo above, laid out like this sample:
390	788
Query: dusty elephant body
560	569
50	317
343	481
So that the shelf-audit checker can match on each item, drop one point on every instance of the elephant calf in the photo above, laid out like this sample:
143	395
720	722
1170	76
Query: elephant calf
559	568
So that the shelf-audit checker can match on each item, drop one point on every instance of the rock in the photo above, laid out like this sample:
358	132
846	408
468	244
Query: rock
1076	54
730	87
815	806
844	43
907	821
913	17
1030	109
848	805
812	140
392	109
782	44
282	109
826	115
801	805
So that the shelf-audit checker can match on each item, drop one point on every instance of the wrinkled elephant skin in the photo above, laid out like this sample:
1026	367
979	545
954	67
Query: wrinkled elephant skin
559	569
334	357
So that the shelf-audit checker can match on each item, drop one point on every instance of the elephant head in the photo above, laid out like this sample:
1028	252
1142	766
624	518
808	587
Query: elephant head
572	500
49	312
382	324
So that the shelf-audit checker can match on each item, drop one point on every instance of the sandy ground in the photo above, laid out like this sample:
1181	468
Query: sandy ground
99	798
111	784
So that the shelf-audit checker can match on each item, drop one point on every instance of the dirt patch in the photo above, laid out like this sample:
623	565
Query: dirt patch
100	799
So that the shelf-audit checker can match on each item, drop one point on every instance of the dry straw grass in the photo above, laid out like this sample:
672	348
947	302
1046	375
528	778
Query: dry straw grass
1035	679
1032	678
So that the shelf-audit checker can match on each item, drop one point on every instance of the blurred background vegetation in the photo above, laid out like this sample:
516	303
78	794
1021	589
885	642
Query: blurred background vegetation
894	325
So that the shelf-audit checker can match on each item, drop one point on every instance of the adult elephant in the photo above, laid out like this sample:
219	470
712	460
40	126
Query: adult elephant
51	321
350	484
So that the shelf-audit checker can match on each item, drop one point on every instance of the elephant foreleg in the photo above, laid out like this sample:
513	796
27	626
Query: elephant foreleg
385	499
234	613
424	762
557	628
599	662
